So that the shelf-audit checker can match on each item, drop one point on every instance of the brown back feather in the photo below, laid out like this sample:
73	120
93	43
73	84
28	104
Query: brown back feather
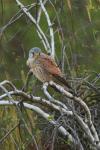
49	64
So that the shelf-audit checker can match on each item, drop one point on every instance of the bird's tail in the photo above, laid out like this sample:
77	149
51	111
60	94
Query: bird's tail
65	83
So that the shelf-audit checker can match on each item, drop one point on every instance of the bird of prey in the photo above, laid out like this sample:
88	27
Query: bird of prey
44	67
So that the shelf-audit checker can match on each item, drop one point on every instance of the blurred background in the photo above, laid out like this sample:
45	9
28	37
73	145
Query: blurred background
76	25
77	28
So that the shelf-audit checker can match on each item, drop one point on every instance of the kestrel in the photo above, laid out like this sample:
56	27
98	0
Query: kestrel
44	67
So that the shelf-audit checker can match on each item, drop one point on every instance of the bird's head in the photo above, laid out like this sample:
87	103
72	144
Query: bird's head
34	52
33	55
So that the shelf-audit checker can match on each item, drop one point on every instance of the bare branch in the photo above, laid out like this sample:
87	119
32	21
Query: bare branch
17	16
40	100
9	83
50	28
43	114
39	30
83	104
58	106
7	134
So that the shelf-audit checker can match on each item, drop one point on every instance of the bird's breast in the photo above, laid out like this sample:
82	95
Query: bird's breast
31	63
38	70
42	74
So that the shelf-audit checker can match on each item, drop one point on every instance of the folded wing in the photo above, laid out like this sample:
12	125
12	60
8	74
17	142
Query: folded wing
49	64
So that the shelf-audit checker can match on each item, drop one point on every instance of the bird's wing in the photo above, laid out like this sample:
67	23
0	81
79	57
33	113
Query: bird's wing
49	64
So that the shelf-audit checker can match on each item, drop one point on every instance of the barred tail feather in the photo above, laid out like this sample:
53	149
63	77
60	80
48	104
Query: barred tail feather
65	83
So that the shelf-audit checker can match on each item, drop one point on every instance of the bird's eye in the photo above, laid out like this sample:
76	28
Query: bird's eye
31	55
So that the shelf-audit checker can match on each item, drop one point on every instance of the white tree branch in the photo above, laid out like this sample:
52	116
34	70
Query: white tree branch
43	114
50	28
58	106
38	28
84	106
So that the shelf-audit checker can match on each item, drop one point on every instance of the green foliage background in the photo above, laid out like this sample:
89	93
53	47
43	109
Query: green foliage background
80	24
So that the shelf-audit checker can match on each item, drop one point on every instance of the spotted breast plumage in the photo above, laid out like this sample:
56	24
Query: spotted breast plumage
44	67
